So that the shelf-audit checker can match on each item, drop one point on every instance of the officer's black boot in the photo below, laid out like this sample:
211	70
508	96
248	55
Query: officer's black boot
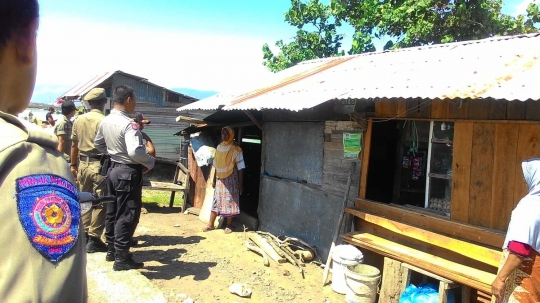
133	243
95	245
124	261
110	252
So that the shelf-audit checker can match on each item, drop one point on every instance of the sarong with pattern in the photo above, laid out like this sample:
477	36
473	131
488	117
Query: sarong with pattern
227	196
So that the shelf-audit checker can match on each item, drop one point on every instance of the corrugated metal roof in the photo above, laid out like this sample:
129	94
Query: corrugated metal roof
82	88
505	68
221	99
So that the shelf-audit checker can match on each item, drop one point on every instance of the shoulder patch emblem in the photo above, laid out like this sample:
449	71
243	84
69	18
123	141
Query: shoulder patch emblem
135	126
49	212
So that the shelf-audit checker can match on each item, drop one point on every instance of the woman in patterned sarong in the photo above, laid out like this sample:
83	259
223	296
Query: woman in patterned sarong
518	279
229	165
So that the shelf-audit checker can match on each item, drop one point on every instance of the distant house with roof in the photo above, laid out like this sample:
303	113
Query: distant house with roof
154	101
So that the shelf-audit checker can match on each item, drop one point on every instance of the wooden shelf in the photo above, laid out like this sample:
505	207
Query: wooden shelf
439	176
421	191
442	141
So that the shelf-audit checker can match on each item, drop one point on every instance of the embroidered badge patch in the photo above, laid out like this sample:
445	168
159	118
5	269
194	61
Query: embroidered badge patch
49	212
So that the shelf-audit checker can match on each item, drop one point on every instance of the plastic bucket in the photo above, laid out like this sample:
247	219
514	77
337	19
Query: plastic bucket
339	264
362	283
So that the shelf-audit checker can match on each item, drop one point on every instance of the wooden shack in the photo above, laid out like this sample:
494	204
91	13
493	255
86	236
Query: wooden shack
445	130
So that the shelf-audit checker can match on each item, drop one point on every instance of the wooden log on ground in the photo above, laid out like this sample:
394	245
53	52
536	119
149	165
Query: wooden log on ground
266	247
254	248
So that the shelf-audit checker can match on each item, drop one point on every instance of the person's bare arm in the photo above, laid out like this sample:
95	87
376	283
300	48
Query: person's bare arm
150	148
512	263
74	158
61	142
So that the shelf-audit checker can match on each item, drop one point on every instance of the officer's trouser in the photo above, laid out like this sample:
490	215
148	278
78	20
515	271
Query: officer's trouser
89	180
125	182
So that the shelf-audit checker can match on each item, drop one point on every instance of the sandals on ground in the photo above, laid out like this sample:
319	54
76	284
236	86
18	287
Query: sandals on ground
228	230
208	228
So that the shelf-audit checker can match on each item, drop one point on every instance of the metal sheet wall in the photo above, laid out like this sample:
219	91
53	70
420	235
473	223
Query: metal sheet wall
144	91
294	150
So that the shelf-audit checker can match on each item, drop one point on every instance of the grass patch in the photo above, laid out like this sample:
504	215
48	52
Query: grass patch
158	198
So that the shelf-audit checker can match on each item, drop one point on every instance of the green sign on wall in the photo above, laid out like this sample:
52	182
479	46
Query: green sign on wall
352	145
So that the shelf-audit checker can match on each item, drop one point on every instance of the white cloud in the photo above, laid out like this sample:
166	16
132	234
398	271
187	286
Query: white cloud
72	50
521	8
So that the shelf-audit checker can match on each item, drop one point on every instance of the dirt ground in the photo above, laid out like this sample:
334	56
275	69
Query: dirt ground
184	262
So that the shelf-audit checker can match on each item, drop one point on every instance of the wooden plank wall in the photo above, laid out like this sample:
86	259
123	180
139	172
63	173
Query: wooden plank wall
487	177
483	109
198	175
335	167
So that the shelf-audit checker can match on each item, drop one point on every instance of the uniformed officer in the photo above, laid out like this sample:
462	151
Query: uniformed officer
85	163
63	129
43	258
119	136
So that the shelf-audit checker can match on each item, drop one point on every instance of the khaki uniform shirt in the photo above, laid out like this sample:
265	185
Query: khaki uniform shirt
64	127
43	246
84	132
121	138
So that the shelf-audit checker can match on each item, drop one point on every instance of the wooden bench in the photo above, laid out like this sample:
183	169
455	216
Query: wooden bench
180	184
455	252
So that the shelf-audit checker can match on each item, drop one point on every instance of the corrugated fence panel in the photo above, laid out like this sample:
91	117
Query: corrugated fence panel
294	150
166	143
144	91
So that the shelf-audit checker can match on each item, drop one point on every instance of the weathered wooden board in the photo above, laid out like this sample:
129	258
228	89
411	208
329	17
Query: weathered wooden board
481	174
497	110
153	185
502	194
440	225
533	110
335	167
479	253
440	109
379	108
461	171
457	272
197	188
392	282
527	148
458	108
365	159
418	108
478	109
515	110
401	107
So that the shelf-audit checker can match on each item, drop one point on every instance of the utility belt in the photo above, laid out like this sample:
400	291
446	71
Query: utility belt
89	158
134	166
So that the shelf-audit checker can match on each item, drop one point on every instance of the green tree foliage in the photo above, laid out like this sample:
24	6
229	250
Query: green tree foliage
316	36
403	23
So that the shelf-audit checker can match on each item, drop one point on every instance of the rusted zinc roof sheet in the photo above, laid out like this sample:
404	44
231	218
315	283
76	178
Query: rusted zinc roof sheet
505	68
82	88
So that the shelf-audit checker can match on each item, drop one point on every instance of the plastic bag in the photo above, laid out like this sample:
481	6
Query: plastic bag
424	293
205	155
408	293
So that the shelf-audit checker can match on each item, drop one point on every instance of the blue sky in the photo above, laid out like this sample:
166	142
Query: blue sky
199	44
